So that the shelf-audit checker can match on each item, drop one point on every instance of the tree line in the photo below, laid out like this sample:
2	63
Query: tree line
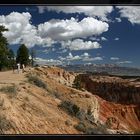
8	59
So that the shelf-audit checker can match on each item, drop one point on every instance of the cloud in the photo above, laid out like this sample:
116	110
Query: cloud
72	28
85	54
79	44
116	39
114	58
62	50
131	13
71	57
48	50
103	39
83	57
42	61
125	62
92	11
118	19
21	30
94	38
93	59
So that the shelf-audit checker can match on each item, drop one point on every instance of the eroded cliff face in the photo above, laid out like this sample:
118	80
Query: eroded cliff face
56	73
112	89
119	100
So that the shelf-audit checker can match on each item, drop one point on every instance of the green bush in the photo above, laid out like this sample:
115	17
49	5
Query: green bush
70	107
89	129
36	81
4	123
77	83
81	127
9	89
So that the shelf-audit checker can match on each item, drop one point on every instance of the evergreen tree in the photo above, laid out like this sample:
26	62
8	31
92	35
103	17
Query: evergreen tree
11	58
23	55
33	55
3	49
11	54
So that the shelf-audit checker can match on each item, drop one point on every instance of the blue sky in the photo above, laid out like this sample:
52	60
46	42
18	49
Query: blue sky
75	34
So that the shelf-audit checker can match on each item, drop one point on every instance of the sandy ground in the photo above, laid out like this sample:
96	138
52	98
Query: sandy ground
10	77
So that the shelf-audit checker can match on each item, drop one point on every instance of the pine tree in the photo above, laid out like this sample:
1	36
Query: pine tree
33	55
11	58
3	49
23	55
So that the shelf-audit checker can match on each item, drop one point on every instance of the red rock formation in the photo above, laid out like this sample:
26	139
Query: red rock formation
111	89
119	100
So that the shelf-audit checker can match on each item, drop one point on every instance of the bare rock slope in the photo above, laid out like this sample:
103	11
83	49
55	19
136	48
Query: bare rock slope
43	101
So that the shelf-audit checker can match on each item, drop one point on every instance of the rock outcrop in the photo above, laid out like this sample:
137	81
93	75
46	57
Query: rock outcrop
118	98
112	89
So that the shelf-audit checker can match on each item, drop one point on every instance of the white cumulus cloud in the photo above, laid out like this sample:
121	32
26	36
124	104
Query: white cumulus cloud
69	29
79	44
20	28
93	11
22	31
131	13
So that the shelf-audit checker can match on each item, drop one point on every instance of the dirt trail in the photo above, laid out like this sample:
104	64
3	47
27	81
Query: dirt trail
10	77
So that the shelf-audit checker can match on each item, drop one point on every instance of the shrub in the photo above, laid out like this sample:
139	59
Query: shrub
1	102
81	114
95	130
89	129
36	81
12	90
86	119
70	107
81	127
4	123
77	83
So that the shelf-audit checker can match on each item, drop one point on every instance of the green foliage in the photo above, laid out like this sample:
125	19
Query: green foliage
90	129
36	81
33	55
81	127
11	54
77	83
22	55
86	120
9	89
4	51
70	107
4	123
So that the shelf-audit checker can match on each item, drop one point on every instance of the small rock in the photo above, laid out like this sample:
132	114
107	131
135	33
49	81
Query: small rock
24	87
87	96
68	123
